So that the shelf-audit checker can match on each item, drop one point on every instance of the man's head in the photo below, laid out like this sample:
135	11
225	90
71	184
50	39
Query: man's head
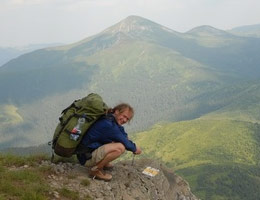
123	113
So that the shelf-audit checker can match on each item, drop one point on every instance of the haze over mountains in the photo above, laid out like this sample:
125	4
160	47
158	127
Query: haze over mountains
166	75
203	77
249	30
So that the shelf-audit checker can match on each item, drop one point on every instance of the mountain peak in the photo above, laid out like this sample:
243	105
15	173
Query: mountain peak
135	23
134	19
207	30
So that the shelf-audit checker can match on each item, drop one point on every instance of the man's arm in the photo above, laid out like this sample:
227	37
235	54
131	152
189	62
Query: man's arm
138	151
118	134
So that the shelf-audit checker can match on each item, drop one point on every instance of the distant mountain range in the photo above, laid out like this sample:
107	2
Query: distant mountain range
9	53
166	75
248	31
201	88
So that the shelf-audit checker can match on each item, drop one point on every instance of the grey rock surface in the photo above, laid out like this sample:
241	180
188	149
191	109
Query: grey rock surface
128	182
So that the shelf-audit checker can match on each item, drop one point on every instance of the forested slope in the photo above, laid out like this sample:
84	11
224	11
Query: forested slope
219	158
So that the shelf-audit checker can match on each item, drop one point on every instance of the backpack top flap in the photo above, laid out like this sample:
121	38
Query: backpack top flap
94	103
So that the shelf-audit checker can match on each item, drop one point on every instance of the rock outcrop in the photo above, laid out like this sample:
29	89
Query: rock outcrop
128	183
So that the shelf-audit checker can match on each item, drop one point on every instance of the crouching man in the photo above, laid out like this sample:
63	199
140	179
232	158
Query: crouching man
106	140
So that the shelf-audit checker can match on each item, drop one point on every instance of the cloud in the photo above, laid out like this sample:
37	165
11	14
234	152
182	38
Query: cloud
79	5
23	2
37	21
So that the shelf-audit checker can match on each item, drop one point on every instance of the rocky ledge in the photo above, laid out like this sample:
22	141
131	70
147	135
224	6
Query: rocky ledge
128	183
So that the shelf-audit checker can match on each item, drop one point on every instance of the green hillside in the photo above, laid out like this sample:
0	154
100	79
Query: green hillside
126	70
40	74
163	74
204	83
153	79
219	158
9	115
235	102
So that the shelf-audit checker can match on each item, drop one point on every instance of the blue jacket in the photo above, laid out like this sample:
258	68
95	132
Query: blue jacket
104	131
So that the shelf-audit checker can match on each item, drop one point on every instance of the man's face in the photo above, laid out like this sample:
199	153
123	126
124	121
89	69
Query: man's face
123	117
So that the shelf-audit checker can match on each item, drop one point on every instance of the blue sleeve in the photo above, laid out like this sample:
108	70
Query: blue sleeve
117	134
105	131
129	145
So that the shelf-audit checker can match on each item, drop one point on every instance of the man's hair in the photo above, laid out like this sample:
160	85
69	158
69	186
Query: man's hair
122	107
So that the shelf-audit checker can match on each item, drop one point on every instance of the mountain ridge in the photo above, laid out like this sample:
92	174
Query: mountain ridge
208	29
247	30
200	85
180	69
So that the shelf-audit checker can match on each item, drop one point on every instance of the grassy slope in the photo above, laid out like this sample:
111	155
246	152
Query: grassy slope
219	158
9	116
239	102
131	68
152	78
22	183
155	75
41	74
25	178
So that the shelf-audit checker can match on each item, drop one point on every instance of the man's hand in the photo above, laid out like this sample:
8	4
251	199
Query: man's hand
138	151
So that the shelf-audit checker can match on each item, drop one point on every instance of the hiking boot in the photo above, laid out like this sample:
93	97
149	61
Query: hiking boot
108	166
99	174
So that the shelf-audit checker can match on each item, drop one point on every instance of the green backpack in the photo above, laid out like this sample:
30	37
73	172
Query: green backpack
88	109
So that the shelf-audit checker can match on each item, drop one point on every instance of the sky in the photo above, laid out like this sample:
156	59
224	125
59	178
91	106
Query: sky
26	22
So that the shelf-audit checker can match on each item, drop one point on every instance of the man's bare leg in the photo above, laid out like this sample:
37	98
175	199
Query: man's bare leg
112	151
